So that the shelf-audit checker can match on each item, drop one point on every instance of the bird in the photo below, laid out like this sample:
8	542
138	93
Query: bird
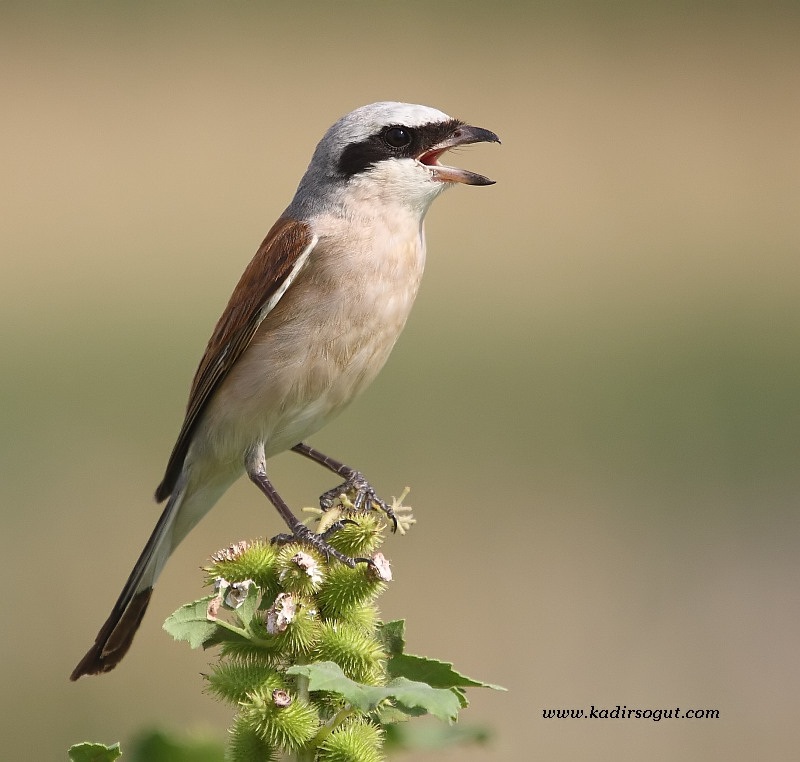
310	323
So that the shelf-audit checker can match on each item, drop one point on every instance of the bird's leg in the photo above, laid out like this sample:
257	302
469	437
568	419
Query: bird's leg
255	465
355	481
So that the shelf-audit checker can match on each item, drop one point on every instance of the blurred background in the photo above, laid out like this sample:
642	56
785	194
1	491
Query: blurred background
595	401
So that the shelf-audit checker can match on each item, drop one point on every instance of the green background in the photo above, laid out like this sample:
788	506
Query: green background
595	400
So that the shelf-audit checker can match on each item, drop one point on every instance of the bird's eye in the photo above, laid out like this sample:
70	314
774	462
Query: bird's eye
397	137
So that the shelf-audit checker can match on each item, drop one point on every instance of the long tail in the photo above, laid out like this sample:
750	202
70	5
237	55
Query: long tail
116	635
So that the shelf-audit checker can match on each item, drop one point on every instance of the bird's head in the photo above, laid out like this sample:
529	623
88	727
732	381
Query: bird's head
389	151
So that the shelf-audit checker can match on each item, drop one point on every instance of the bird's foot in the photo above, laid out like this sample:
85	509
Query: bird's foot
362	495
320	542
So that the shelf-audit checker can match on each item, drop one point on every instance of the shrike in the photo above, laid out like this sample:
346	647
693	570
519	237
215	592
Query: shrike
309	325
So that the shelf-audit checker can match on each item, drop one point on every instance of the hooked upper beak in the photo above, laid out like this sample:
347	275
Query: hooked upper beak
462	136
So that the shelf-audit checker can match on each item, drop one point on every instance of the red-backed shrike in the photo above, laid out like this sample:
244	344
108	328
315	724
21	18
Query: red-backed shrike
309	325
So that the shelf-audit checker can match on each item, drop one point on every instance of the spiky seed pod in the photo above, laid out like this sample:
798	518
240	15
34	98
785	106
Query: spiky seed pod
234	681
290	626
328	704
364	616
355	740
312	609
346	587
257	561
232	552
300	569
246	745
280	724
359	654
263	652
361	538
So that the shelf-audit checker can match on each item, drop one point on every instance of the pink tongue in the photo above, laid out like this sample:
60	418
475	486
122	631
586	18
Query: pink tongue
430	159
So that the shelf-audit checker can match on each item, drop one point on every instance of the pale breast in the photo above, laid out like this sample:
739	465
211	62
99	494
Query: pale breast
326	339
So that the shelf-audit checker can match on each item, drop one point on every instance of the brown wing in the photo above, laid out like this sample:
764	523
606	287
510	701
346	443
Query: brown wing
262	284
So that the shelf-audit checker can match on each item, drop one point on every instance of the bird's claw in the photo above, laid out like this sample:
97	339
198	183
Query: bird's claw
364	497
320	543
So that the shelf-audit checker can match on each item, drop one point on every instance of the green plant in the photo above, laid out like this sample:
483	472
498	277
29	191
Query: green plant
304	659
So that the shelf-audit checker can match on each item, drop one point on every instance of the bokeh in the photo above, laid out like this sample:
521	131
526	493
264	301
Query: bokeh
595	401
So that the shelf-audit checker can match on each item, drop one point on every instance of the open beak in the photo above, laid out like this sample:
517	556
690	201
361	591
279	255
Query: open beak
462	136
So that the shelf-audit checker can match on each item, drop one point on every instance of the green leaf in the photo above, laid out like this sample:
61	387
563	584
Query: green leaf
94	752
226	633
439	674
420	698
247	610
462	697
389	715
191	623
328	676
413	698
392	636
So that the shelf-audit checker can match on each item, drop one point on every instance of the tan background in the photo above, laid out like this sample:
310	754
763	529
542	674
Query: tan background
595	402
